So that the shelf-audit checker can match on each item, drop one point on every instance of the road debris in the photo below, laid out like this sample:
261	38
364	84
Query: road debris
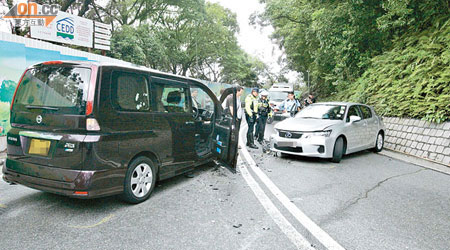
238	225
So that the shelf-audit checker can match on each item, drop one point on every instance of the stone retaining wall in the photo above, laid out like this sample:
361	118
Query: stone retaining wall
419	138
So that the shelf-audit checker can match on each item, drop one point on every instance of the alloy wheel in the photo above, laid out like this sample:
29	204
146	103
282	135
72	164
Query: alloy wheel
141	180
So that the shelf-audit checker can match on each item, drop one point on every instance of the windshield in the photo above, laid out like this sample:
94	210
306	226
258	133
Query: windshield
60	88
277	96
323	111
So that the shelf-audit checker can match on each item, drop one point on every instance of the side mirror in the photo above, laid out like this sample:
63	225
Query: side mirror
354	118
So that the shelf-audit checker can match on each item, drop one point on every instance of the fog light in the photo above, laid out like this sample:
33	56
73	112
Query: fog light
321	149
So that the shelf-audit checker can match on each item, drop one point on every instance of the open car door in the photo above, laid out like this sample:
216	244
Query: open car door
226	130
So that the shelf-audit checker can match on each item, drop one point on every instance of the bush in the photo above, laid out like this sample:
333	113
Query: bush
410	80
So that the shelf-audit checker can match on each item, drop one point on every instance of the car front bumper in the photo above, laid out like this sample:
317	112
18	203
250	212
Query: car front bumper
315	146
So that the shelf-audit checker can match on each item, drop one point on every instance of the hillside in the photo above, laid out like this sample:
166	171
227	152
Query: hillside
410	80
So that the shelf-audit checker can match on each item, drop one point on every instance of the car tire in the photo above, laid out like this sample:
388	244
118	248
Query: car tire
140	180
338	150
379	144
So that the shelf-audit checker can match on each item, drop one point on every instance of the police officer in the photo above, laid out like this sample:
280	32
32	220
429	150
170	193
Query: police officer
251	112
264	111
290	105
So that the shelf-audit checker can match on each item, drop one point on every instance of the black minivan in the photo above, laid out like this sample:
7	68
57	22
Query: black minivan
88	129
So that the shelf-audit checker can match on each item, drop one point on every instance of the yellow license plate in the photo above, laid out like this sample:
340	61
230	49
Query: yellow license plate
39	147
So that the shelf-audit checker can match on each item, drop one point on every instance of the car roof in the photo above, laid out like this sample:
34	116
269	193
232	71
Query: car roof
339	103
125	65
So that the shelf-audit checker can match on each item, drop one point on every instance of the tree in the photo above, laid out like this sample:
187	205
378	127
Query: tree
192	38
335	40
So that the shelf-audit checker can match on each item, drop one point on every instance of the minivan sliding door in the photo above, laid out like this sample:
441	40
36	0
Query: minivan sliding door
174	121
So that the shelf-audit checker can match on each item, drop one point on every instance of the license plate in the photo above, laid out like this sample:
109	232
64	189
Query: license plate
39	147
286	144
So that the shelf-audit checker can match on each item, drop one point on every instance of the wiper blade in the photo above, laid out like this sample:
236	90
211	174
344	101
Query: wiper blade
309	117
40	107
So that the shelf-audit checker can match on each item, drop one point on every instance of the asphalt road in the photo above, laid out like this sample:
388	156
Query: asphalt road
368	201
213	210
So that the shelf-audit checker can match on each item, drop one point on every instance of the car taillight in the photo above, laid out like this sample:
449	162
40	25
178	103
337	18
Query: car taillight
91	91
18	85
52	62
92	124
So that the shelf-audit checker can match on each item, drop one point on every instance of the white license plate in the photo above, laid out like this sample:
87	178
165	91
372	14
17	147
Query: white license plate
286	144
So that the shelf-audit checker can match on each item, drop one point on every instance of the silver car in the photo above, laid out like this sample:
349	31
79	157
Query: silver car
329	130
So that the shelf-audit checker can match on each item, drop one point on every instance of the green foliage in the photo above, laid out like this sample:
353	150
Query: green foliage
411	80
391	54
190	38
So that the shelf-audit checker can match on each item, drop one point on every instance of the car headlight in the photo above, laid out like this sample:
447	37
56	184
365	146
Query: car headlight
325	133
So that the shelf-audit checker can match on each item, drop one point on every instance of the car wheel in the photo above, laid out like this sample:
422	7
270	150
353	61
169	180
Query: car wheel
379	143
140	180
338	150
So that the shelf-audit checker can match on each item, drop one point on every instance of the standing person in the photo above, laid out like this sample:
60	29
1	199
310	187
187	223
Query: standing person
194	95
229	105
251	111
309	100
291	104
264	111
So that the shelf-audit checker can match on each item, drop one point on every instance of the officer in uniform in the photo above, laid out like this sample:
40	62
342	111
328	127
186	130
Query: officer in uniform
251	112
290	105
264	111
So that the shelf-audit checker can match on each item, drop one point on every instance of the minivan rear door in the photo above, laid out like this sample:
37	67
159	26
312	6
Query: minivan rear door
226	129
48	118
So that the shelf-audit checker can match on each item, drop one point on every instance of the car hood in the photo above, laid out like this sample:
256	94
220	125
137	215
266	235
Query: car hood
305	124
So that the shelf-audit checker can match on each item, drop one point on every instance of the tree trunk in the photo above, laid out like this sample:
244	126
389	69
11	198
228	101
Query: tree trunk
66	4
85	7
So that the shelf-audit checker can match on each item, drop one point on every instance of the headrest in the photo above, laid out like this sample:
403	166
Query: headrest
174	97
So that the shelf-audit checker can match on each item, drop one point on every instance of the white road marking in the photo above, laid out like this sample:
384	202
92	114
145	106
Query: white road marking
296	238
317	232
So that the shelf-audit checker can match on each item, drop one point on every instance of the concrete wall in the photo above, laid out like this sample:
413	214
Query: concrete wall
419	138
2	143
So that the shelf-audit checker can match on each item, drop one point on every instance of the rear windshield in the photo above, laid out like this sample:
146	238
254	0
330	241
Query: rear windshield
59	88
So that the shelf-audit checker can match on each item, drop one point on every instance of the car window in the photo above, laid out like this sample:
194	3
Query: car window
201	99
171	99
367	113
130	92
62	87
353	111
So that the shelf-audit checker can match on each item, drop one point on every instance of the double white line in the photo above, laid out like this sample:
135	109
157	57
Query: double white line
296	238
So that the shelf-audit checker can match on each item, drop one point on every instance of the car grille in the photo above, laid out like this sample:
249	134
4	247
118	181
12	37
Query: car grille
289	149
289	134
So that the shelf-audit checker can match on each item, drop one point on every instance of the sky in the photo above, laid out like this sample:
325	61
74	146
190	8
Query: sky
255	40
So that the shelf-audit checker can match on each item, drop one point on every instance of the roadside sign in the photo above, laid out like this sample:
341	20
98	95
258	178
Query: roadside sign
66	28
102	36
102	47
